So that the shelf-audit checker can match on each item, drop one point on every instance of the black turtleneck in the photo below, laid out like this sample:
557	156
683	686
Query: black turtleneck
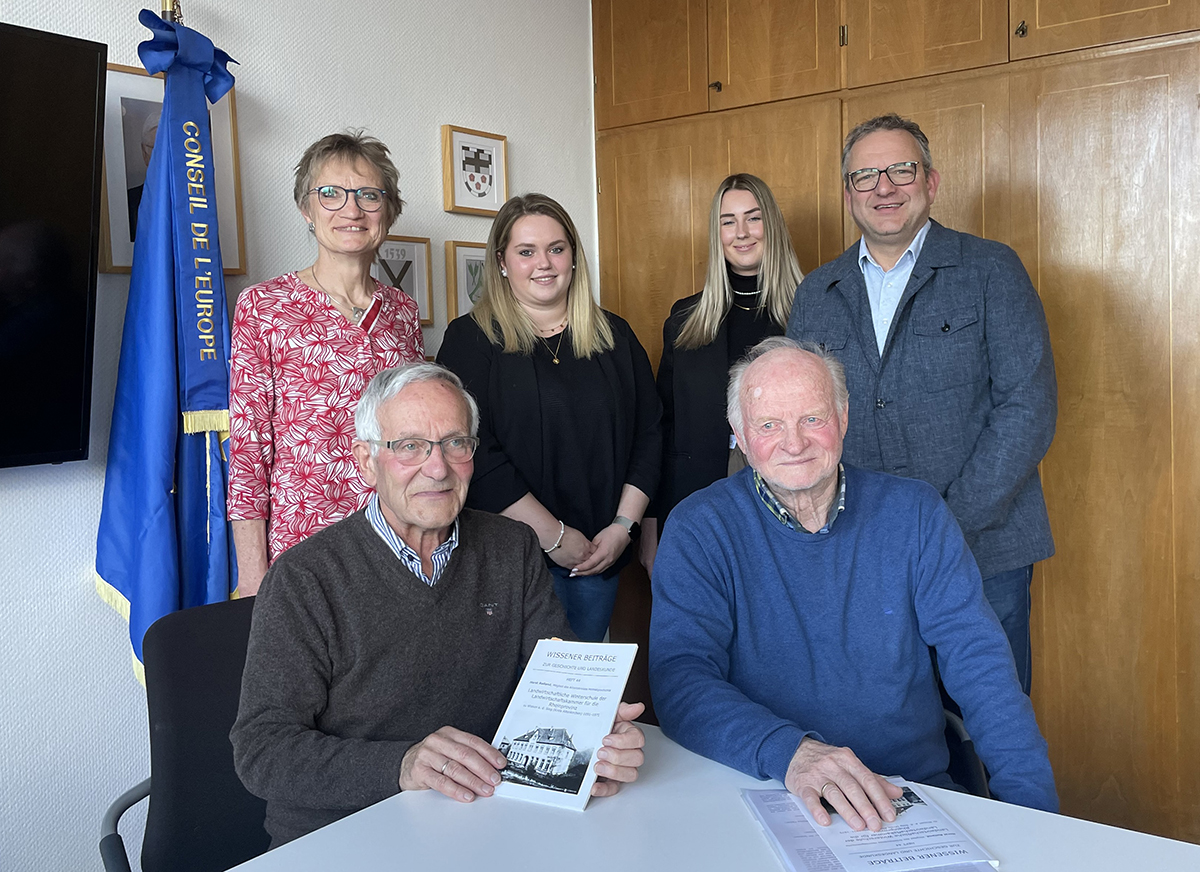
747	323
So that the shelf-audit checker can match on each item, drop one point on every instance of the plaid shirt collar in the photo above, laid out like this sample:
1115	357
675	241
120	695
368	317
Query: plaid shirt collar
784	517
410	558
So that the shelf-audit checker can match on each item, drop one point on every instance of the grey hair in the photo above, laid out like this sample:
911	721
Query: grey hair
737	374
390	382
891	121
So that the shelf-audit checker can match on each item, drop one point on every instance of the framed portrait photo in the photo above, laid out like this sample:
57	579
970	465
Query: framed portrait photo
464	276
405	262
133	104
474	171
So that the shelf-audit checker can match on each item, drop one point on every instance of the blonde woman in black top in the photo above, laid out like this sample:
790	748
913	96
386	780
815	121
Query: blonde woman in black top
748	291
569	428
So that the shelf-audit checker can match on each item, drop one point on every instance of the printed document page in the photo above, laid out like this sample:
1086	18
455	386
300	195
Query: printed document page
921	838
794	839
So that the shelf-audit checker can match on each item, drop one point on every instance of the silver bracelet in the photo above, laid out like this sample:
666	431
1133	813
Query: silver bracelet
562	528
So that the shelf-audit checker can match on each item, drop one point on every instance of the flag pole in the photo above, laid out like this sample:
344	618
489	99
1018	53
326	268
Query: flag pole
171	11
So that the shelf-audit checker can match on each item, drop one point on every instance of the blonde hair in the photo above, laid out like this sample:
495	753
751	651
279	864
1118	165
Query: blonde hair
778	276
350	146
499	314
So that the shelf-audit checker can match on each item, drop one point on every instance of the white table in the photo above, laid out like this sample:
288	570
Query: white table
684	813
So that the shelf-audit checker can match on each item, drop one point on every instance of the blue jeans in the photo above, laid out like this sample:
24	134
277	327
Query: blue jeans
1008	594
587	599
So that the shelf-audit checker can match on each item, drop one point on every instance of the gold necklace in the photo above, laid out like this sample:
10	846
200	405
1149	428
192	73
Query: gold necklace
554	351
737	294
358	313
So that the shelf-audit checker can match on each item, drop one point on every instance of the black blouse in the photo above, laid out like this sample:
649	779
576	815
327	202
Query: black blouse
692	384
572	434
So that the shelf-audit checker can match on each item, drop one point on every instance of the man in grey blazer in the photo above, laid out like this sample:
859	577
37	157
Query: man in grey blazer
947	358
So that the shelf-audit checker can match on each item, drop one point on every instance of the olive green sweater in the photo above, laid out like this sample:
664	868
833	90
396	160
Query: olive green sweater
353	659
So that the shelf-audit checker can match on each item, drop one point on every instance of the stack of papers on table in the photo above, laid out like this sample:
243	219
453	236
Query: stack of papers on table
922	837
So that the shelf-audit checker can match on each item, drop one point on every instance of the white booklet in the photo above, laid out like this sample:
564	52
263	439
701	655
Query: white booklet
563	707
922	837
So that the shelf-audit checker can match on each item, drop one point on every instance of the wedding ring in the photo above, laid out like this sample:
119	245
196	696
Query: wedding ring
444	765
825	785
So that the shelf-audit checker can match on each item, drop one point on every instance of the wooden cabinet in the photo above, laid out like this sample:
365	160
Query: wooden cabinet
653	207
650	60
1039	27
656	188
889	40
761	50
656	60
1104	166
673	58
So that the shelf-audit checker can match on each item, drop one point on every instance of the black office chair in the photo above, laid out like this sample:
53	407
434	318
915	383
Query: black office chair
966	768
201	818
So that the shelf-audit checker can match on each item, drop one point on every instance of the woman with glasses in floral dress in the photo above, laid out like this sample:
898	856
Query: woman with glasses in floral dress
304	346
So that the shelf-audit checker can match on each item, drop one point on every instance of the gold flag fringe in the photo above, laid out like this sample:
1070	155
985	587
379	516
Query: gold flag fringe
120	604
206	421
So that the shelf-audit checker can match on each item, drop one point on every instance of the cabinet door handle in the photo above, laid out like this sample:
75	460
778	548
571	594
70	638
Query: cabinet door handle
716	86
1022	31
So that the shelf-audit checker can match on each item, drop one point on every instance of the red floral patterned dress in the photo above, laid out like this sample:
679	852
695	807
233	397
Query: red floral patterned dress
298	368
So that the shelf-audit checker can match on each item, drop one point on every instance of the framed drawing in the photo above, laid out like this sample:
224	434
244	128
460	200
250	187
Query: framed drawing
133	103
405	262
464	276
474	171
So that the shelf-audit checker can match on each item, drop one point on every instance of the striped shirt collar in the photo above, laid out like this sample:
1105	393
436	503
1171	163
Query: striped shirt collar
410	558
781	514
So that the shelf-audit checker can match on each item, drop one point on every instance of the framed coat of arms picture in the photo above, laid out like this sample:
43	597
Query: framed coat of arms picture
474	171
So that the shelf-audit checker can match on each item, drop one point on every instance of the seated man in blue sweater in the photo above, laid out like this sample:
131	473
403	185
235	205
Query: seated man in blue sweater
795	604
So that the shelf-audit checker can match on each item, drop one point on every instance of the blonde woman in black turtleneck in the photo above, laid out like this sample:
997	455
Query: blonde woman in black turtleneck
752	278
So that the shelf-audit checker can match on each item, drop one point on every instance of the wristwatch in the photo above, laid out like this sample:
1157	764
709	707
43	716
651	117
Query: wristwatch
632	527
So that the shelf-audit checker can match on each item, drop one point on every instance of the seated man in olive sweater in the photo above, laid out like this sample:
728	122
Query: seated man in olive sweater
796	602
385	648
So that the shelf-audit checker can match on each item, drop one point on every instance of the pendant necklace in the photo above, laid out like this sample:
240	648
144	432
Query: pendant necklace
358	313
554	351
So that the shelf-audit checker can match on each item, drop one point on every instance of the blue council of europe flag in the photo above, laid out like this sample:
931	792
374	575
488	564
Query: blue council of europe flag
164	542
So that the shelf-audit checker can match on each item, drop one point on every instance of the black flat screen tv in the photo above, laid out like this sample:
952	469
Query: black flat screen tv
51	136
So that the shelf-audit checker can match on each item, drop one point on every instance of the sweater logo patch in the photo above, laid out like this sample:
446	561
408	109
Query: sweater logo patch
489	608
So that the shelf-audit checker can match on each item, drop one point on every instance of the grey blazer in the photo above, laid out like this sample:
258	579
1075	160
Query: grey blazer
964	395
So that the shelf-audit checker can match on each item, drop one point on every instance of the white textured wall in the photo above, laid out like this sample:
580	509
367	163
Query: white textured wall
73	731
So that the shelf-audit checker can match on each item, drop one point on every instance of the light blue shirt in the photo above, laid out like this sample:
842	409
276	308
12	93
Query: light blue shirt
884	289
409	557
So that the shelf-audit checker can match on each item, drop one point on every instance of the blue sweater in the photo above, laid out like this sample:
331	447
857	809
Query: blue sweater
761	635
